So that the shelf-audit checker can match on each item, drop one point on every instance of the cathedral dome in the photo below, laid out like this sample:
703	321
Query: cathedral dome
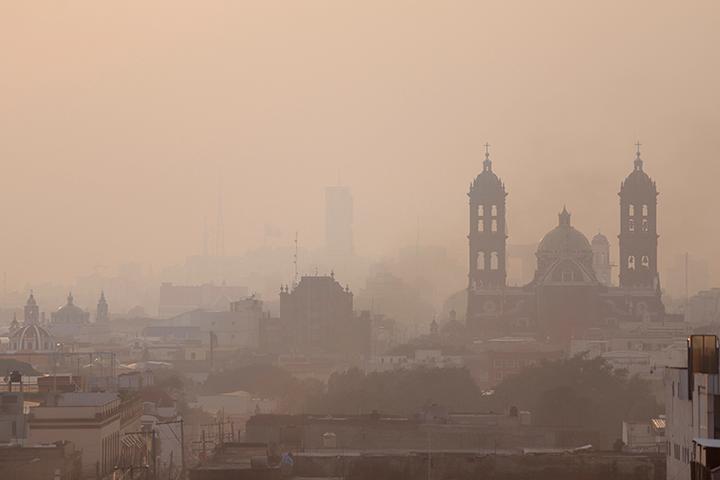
487	181
70	313
600	239
31	338
638	179
564	239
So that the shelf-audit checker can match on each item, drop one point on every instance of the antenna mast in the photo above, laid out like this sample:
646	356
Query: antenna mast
295	260
220	229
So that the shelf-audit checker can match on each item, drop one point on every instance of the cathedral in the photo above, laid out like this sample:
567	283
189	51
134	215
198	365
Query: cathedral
572	290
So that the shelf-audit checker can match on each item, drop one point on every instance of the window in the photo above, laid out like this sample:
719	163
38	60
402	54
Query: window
567	276
631	210
480	262
494	261
493	211
481	224
645	261
644	210
494	225
631	262
631	225
645	225
481	211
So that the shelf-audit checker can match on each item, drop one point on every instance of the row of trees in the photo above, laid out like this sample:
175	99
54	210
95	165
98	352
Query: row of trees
572	392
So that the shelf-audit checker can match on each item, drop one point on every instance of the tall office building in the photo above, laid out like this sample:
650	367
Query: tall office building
339	220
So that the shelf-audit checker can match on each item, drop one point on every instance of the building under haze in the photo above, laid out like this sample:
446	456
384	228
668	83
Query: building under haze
339	221
317	316
571	290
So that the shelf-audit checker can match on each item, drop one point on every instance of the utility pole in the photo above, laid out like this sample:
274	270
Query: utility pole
182	449
295	260
182	442
153	450
687	288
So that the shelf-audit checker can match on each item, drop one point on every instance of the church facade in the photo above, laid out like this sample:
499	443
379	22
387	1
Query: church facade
571	291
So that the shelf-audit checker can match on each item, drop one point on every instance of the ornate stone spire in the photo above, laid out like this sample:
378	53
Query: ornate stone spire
638	160
487	164
564	217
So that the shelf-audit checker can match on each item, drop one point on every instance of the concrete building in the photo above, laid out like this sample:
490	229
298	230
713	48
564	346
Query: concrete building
692	410
94	422
177	299
57	461
493	360
12	418
236	327
648	436
318	315
704	308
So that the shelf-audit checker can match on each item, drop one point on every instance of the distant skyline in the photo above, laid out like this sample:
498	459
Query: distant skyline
118	119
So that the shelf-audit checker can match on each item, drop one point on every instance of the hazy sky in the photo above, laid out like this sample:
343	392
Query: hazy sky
118	118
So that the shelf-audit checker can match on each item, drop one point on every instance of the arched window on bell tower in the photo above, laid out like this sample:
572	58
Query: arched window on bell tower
480	263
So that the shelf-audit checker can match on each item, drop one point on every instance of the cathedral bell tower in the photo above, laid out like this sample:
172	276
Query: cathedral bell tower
638	229
487	235
31	311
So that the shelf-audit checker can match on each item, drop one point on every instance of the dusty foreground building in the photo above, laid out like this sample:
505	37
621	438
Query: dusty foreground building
59	461
246	461
692	408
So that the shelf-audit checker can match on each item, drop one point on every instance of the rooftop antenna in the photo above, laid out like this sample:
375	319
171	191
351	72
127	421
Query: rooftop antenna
687	282
220	228
205	237
295	260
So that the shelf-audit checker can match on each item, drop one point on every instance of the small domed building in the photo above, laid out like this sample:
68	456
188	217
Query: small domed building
31	337
70	314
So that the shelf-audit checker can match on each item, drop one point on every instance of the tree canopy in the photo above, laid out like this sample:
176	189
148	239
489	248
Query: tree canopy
401	392
578	392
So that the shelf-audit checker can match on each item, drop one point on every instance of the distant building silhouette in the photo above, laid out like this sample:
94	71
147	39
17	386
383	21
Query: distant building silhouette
31	337
70	314
601	259
339	221
571	290
102	314
318	317
178	299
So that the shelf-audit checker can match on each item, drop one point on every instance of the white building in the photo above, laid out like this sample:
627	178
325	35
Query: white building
94	422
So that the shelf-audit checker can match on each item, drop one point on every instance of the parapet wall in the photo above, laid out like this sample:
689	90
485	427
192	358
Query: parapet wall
461	466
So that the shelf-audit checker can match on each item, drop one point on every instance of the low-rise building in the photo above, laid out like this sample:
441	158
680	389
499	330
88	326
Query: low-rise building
94	422
57	461
647	436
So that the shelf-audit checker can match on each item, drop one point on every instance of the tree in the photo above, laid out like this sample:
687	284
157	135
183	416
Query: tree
578	392
401	392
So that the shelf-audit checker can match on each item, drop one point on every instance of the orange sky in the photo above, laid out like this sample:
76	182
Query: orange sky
117	118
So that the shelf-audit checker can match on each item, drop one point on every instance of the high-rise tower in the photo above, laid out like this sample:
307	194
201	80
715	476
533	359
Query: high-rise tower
638	229
102	314
339	221
487	236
